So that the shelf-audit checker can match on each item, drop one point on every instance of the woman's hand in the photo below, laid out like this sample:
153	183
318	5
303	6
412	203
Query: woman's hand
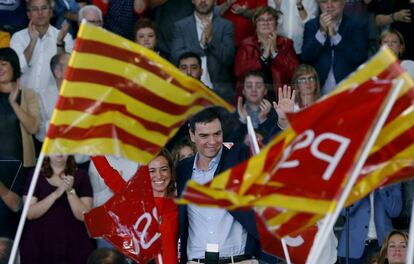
68	180
286	101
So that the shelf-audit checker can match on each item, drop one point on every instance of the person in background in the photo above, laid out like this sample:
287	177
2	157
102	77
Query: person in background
394	248
334	44
212	38
240	13
182	150
266	51
395	41
162	173
19	119
145	33
369	223
92	14
294	15
55	225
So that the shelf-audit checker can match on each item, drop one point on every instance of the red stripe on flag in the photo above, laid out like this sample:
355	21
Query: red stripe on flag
401	105
94	107
102	131
391	72
107	50
391	149
130	88
236	176
197	197
295	224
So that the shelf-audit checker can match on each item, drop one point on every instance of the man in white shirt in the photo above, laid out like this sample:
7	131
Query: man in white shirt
37	44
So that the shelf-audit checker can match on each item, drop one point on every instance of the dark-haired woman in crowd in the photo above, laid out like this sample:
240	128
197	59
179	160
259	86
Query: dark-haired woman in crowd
55	232
19	119
266	51
162	172
394	248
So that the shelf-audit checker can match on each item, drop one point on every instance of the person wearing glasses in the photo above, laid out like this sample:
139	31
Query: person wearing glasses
92	14
266	51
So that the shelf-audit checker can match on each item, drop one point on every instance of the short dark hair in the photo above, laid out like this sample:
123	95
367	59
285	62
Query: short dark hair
106	256
205	116
189	54
255	73
144	23
9	55
5	250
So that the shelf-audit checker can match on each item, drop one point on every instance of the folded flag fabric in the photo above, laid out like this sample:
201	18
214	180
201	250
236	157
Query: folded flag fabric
119	98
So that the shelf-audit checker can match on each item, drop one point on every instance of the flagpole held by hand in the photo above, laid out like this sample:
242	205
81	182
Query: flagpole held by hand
26	208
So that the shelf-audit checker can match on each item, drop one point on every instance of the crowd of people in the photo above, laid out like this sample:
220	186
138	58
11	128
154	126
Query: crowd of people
267	58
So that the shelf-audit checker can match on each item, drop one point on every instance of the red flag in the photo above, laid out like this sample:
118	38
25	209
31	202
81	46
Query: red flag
129	220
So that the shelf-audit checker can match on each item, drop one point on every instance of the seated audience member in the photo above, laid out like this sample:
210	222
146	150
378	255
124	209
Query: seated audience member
234	233
395	41
253	104
55	219
398	15
182	150
294	15
266	51
240	13
92	14
106	256
19	119
190	64
144	33
334	44
369	223
108	175
211	37
394	248
6	246
162	172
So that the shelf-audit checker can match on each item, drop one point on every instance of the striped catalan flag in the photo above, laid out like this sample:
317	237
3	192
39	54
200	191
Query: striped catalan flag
119	98
255	183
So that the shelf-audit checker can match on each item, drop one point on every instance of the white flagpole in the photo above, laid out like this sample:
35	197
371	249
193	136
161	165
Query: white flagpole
331	218
159	259
256	150
410	250
26	209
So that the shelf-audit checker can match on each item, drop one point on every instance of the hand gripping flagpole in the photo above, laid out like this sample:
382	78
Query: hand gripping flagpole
410	250
331	218
26	208
255	149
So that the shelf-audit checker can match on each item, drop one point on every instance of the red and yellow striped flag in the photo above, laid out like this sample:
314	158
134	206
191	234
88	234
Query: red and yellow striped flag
119	98
257	184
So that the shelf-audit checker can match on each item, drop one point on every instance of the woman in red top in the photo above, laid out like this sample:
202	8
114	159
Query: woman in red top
266	51
162	173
